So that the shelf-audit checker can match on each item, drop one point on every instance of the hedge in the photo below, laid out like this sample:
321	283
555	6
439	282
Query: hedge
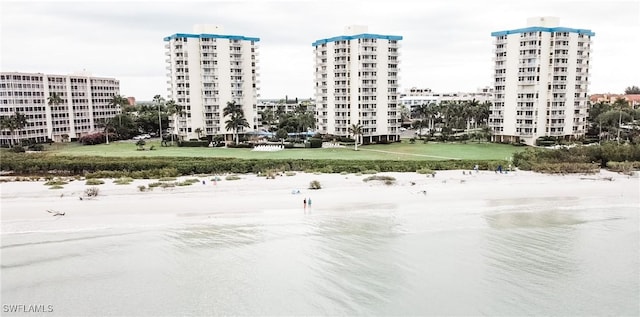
154	167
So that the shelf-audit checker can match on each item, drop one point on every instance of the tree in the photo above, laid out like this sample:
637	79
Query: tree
633	90
107	125
198	131
20	122
620	104
119	102
8	123
268	118
173	110
235	123
356	130
236	120
54	99
159	102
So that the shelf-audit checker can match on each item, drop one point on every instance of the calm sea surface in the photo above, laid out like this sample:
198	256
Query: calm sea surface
562	256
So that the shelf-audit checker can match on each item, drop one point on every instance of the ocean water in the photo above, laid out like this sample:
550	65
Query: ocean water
554	256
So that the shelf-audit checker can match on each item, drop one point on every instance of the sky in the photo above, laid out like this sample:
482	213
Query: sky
446	46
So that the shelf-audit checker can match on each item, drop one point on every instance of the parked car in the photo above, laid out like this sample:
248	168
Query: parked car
142	137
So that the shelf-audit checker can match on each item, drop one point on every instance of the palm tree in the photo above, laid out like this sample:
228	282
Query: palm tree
107	125
159	101
54	99
356	130
237	118
8	123
20	122
173	110
235	122
620	103
119	102
268	118
198	131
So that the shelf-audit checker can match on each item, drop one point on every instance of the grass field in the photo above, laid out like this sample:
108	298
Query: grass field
395	151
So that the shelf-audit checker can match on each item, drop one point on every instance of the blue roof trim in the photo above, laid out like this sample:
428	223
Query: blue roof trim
211	36
358	36
543	29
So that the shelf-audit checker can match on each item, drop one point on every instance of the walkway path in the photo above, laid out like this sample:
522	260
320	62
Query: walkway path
424	155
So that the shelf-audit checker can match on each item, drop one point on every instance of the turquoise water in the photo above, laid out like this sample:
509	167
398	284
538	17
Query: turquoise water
564	256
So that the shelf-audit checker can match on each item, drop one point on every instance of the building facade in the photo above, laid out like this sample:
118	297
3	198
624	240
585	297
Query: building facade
206	70
85	100
414	97
356	82
541	82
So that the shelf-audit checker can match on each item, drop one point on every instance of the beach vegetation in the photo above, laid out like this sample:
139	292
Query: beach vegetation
314	184
426	171
626	167
158	167
123	181
290	173
143	188
384	178
155	184
55	182
92	192
94	181
232	177
167	185
167	179
56	187
369	172
540	159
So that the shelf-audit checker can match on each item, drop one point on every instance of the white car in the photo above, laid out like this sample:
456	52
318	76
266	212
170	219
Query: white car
142	137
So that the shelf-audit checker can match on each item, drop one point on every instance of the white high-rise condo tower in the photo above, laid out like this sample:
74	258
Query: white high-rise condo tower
541	82
207	70
85	101
356	82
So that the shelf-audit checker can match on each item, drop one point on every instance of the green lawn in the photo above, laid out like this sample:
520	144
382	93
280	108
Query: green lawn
395	151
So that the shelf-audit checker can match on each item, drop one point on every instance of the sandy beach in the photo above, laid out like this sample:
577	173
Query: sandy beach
483	243
24	204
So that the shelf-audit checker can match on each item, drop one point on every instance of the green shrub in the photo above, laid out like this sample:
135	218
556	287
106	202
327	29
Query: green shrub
314	184
290	173
425	171
143	188
167	179
624	167
55	182
379	178
154	184
192	180
369	172
56	187
94	181
17	149
232	177
167	185
123	181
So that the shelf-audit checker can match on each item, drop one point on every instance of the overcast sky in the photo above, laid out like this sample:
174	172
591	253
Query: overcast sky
447	45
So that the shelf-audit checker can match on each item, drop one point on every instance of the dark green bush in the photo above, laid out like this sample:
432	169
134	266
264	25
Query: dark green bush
315	143
193	143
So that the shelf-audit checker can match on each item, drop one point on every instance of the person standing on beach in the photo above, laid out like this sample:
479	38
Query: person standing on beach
305	203
309	201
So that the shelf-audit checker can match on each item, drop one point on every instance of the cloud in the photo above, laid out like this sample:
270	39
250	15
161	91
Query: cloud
447	45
